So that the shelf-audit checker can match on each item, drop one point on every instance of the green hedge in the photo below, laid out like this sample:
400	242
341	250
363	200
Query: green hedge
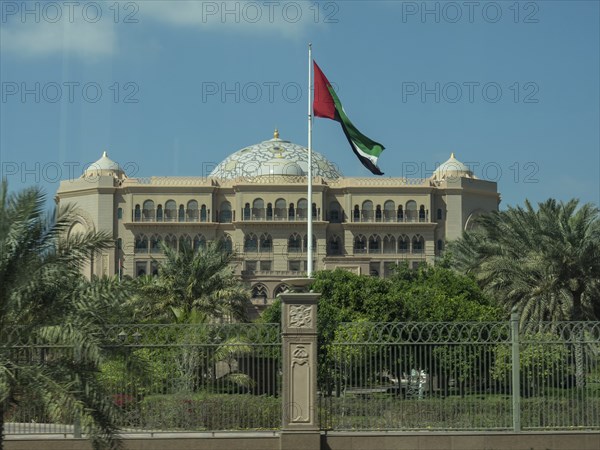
210	412
459	413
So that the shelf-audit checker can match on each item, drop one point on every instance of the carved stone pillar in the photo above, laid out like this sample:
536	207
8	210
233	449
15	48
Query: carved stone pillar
300	427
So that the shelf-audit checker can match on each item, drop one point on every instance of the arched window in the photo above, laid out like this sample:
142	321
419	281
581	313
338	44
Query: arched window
258	209
181	213
154	268
291	212
119	213
314	211
305	243
374	244
148	211
137	213
225	213
185	241
170	211
418	244
266	243
440	215
199	243
203	214
400	214
155	246
422	213
389	244
259	291
367	211
159	213
356	214
403	244
269	211
246	212
335	212
378	214
141	244
440	246
227	243
294	243
280	289
411	211
389	210
250	243
280	209
192	211
171	241
360	244
334	245
302	209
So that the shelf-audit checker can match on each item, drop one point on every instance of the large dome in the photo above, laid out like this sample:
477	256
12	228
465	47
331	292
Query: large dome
274	157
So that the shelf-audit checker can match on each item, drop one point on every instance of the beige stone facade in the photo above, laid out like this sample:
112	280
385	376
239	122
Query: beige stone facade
260	208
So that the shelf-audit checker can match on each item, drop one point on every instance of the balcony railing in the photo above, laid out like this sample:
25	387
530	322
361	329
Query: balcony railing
370	216
191	216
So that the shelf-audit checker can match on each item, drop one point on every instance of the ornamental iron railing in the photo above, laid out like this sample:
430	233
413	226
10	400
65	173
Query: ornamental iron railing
461	376
371	376
170	378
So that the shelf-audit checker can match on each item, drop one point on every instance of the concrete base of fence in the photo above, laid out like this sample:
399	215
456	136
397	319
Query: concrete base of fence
462	441
299	441
580	440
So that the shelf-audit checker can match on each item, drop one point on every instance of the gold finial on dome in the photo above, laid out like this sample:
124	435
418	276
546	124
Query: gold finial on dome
452	155
105	154
276	134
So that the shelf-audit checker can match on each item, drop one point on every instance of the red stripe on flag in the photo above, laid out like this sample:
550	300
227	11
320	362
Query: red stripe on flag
323	104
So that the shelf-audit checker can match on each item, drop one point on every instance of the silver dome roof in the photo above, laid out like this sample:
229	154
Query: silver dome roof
274	157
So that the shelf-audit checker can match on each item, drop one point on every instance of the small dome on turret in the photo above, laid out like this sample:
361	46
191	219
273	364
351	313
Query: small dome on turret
104	166
452	168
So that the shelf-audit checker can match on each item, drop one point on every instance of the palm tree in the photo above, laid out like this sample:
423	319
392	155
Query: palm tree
543	263
50	348
193	286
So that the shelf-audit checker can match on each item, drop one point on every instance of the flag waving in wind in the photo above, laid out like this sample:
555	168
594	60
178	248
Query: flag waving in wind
327	104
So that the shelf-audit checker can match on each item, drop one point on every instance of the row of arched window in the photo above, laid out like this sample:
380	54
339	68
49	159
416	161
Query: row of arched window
170	212
281	210
366	212
153	244
261	292
388	244
296	243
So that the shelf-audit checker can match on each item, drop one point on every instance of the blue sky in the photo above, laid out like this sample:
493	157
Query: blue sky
172	88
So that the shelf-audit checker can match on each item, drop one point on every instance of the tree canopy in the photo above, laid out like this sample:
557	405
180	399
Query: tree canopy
543	263
45	304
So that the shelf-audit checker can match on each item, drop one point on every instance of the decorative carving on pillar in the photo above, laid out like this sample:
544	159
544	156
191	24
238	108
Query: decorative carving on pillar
300	382
300	316
299	356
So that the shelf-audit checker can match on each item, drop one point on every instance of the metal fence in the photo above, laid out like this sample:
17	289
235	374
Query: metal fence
372	376
176	378
461	376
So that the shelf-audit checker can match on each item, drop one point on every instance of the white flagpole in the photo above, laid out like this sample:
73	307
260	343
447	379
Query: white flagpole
309	234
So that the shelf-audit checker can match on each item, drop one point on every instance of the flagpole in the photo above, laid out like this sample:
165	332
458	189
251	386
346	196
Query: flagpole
309	233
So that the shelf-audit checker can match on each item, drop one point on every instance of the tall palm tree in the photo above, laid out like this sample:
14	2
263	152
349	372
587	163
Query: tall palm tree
193	286
543	263
45	304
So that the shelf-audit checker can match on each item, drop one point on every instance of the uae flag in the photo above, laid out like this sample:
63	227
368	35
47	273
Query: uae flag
327	104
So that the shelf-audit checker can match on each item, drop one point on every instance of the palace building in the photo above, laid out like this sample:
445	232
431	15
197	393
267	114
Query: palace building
256	201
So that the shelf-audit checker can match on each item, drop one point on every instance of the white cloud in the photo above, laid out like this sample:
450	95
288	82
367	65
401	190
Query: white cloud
287	18
30	39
